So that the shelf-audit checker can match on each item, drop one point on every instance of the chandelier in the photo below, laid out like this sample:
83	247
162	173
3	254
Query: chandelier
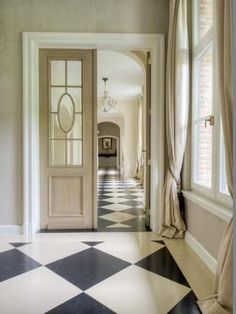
105	102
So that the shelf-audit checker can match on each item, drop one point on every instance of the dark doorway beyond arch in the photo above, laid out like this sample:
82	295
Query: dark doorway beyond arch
108	145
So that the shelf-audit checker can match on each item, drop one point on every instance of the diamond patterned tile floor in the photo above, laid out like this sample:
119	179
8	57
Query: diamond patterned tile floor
96	273
123	197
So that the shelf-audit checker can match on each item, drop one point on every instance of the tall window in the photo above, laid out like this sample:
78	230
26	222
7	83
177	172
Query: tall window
208	160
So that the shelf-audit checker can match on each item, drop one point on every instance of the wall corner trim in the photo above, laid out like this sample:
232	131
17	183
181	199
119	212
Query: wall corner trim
205	256
11	229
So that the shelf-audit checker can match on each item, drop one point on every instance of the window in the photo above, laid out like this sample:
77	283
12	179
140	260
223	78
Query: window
208	159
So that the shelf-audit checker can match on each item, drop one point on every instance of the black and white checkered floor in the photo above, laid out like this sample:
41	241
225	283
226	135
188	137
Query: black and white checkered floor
98	272
120	203
92	273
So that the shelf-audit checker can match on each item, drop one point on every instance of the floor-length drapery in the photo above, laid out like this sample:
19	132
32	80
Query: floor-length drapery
221	302
177	105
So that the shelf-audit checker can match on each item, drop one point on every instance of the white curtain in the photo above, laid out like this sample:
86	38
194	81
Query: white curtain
177	105
221	302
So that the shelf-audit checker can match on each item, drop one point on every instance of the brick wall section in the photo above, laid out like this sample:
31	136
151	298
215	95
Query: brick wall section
204	152
205	16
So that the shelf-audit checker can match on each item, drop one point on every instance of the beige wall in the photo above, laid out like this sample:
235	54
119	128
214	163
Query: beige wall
17	16
205	227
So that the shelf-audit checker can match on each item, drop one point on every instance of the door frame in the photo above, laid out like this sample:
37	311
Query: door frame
32	41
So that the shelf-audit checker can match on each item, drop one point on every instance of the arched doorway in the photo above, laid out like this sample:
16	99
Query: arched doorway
109	148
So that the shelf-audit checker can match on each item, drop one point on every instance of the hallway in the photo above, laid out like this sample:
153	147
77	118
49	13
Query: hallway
120	202
98	272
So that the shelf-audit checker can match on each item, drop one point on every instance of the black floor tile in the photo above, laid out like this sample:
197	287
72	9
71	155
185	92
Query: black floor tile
163	264
81	304
103	203
87	268
19	244
159	241
93	243
137	223
133	211
103	197
103	223
130	196
187	305
132	203
104	211
14	262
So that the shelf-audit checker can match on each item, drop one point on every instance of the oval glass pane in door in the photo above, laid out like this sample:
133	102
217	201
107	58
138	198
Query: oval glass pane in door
66	113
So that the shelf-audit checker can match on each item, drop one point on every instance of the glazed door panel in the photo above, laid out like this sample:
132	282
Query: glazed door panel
66	138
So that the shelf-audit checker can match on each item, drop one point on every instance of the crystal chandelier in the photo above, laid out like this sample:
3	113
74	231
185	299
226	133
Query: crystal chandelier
106	103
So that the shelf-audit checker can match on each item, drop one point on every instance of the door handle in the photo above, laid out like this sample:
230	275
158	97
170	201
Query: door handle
211	121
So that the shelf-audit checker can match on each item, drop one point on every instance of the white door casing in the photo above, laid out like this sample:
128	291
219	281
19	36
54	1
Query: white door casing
32	42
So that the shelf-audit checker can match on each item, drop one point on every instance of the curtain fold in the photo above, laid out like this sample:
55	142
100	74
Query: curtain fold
222	301
177	105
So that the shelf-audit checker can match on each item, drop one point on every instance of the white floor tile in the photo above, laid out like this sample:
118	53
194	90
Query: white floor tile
131	251
135	290
35	292
117	217
118	225
116	200
116	207
47	252
115	194
5	247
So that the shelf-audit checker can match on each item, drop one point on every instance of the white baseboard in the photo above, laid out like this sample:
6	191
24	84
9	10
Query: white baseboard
11	229
205	256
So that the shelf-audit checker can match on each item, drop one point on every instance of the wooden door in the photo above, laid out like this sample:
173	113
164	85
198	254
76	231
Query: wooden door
66	138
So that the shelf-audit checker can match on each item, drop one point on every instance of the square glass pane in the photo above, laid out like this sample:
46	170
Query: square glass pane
57	153
56	132
203	154
57	72
74	72
75	93
205	16
76	131
205	84
74	152
223	176
56	93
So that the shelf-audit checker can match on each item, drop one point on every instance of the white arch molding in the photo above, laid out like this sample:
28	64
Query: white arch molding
32	41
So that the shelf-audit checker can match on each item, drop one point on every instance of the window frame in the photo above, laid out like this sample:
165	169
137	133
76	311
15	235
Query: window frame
200	46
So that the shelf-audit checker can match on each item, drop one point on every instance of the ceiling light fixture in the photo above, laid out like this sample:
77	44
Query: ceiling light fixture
105	102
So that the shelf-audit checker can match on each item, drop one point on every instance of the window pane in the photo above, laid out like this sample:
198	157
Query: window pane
58	72
203	154
223	178
74	73
57	153
205	16
56	93
56	132
75	93
74	153
205	83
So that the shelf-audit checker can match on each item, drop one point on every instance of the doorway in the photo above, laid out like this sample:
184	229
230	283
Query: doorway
32	42
123	174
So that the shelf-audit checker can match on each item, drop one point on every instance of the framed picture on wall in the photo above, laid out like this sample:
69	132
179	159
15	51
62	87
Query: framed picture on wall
107	143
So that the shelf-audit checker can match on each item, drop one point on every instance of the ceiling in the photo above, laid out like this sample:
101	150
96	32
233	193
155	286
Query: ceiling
125	75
